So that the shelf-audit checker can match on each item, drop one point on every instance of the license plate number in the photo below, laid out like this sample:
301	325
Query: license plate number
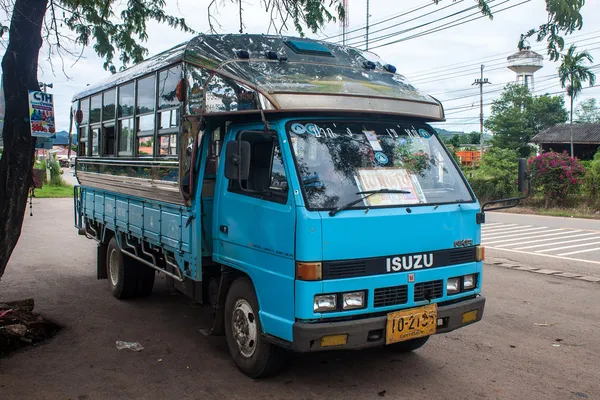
411	324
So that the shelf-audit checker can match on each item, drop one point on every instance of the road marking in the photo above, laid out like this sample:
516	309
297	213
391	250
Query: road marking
494	241
547	255
492	224
498	227
567	247
517	231
579	251
554	243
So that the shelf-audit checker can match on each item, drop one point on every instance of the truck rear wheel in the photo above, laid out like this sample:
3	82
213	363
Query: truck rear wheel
121	271
408	345
252	354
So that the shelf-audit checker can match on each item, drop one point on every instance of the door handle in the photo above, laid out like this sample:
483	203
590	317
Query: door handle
224	229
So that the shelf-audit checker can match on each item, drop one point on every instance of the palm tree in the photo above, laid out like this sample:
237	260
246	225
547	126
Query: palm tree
573	73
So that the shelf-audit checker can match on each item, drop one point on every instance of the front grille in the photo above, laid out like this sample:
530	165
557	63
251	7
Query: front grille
390	296
461	256
345	269
428	290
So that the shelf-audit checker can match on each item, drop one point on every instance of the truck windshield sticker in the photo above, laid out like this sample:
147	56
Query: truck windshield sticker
372	138
298	129
390	178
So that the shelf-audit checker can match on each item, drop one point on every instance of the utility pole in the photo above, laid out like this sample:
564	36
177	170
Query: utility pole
481	82
367	27
44	87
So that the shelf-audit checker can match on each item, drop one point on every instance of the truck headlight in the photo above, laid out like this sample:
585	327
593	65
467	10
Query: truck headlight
325	302
353	300
469	281
453	285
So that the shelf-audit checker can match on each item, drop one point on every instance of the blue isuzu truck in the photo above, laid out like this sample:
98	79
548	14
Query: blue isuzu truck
292	185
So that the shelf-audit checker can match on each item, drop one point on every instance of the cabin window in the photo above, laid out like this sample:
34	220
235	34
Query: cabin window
96	109
108	109
85	109
145	136
196	77
167	85
267	173
95	133
84	106
126	100
126	137
146	96
109	139
83	142
168	145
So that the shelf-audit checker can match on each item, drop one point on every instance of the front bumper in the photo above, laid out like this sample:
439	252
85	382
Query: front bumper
370	332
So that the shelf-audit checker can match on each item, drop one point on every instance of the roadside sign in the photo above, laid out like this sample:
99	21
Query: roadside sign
41	114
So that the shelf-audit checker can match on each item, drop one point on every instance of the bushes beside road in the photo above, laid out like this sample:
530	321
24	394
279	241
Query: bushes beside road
556	179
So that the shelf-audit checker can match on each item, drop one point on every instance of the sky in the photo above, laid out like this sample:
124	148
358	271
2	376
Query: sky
443	64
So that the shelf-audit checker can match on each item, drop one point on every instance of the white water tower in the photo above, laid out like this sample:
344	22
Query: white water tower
525	63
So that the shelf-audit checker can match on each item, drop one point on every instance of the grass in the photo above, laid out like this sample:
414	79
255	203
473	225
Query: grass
577	209
53	192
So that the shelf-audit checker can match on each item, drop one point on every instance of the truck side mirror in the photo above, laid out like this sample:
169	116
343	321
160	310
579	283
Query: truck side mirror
522	181
237	160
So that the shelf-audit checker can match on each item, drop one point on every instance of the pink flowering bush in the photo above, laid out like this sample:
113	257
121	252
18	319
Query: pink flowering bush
556	175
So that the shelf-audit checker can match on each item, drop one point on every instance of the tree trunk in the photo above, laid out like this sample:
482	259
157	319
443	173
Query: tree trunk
19	74
571	127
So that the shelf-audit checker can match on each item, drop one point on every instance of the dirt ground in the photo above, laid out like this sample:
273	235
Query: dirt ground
512	354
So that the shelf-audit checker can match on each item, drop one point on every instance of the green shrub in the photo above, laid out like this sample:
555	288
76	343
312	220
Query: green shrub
591	181
497	175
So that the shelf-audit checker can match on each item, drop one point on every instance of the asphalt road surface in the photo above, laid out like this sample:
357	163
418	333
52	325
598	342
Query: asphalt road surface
538	340
563	244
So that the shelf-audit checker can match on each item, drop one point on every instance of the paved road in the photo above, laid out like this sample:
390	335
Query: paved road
564	244
513	353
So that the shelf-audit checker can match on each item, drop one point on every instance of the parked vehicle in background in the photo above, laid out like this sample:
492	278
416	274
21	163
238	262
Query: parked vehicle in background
293	185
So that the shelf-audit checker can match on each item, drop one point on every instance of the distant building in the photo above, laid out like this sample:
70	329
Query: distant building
525	63
586	139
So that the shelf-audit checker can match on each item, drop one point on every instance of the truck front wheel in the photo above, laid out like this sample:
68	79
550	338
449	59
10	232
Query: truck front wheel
252	354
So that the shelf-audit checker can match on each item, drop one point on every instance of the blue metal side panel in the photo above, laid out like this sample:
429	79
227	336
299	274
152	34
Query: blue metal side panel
170	226
99	207
122	215
110	211
89	204
151	223
136	218
305	291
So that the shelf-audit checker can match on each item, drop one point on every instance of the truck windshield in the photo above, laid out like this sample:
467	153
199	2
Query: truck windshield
337	160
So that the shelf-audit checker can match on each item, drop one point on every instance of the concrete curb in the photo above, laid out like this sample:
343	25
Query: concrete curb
543	271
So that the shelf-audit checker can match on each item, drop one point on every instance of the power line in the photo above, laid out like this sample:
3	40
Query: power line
458	74
418	8
362	41
499	56
438	29
390	35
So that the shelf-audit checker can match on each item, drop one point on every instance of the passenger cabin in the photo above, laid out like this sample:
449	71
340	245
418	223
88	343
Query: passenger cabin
137	129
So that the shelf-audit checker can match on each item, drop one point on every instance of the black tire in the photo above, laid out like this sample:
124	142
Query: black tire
408	345
145	278
256	358
122	278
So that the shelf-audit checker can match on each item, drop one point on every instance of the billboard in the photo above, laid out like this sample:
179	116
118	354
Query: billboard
41	114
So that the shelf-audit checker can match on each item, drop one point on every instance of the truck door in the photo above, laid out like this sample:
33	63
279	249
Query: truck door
256	229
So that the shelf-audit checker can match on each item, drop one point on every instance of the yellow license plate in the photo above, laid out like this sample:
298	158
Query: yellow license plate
411	324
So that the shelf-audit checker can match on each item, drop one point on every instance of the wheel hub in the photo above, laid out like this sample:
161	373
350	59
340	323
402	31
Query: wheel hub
243	322
113	267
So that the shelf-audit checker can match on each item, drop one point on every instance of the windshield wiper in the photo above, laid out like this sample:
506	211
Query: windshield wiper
368	194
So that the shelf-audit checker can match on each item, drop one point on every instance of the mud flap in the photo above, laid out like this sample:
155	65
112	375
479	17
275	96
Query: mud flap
218	329
101	250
